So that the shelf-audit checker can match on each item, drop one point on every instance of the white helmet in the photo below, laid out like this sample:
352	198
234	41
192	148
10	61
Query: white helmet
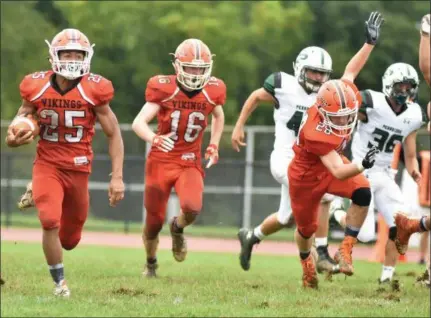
396	74
312	58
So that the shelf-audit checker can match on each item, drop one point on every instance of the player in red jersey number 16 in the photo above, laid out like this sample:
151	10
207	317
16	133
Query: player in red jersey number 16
182	104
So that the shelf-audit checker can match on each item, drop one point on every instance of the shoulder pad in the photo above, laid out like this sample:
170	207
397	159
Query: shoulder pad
98	89
160	87
288	79
33	84
367	99
216	90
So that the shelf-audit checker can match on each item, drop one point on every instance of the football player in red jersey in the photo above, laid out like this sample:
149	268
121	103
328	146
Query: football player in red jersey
182	104
67	100
318	168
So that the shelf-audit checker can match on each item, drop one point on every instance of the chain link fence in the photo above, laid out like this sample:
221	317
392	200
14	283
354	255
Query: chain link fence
239	190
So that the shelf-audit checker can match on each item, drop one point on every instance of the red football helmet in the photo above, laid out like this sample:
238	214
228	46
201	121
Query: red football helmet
338	102
70	40
193	64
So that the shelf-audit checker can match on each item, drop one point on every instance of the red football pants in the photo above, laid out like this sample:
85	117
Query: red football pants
305	196
160	177
62	199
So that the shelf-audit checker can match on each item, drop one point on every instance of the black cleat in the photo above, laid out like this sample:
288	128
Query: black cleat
326	263
247	240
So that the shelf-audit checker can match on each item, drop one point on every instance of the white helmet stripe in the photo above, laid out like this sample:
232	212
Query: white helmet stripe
340	94
197	49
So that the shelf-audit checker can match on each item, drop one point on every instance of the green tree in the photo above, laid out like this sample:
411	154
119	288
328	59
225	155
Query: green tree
134	45
23	50
251	39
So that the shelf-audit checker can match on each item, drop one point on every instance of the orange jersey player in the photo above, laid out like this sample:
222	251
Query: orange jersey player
67	100
182	104
318	168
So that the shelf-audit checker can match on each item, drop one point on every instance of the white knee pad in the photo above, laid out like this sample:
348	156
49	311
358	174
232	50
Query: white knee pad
367	232
285	209
279	164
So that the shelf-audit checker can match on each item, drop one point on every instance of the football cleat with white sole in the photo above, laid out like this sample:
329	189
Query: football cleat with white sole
26	200
61	289
336	205
324	262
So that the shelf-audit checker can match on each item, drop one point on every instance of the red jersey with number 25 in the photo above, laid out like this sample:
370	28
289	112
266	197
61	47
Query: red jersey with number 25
184	113
313	141
67	118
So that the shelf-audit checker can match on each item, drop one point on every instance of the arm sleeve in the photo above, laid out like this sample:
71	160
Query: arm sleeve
272	82
367	103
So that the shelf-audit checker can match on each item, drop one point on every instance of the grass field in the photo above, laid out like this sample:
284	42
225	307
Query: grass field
108	282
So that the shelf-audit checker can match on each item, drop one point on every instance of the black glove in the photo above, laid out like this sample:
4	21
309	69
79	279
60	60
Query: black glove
372	27
370	157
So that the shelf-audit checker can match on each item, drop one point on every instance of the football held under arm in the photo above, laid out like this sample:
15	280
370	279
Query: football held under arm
21	138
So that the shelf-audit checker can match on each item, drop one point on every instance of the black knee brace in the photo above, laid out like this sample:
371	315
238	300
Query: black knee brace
362	197
392	233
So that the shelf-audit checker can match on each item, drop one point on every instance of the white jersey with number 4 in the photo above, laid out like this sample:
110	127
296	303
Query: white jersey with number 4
291	103
383	127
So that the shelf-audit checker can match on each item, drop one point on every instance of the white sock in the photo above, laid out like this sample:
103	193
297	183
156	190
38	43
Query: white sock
338	214
321	241
258	232
387	272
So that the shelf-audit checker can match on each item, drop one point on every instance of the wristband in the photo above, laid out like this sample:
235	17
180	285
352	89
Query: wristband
360	167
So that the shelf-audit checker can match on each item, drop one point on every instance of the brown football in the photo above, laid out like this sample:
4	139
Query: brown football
27	123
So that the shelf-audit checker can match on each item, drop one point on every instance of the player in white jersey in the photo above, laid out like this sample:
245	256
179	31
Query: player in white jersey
292	96
385	119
